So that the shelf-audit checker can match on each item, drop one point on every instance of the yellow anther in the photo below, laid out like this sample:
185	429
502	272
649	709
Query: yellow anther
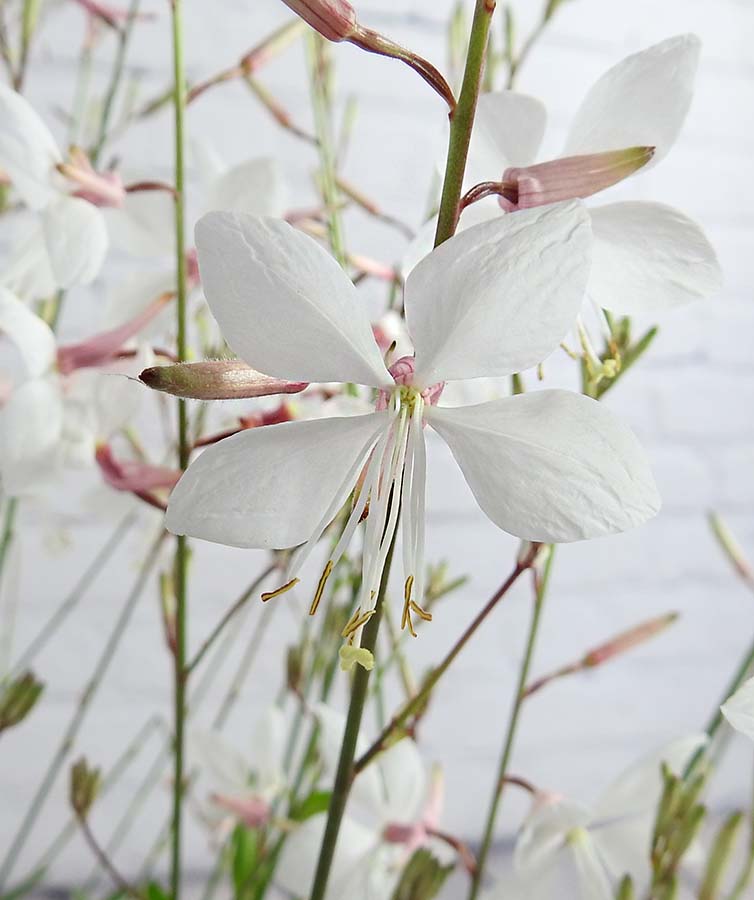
321	587
356	623
422	613
268	595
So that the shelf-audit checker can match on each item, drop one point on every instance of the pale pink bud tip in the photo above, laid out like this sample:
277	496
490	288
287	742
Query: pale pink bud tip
133	476
333	19
627	640
570	178
221	379
252	811
98	188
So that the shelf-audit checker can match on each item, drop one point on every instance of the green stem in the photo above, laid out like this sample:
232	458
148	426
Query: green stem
418	702
124	37
322	106
462	121
510	735
181	551
345	771
66	744
717	719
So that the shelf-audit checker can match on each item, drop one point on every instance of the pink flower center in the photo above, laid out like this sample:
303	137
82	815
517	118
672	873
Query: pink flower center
402	371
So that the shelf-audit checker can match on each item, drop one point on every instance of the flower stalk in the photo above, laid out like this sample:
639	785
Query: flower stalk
541	585
346	769
184	447
462	121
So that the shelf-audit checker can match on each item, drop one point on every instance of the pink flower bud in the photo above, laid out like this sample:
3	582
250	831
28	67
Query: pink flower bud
333	19
219	379
573	177
104	347
130	475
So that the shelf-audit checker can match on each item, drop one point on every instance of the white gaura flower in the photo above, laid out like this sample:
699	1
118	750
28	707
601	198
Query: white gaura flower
60	405
563	845
648	257
546	466
393	809
67	242
239	787
739	709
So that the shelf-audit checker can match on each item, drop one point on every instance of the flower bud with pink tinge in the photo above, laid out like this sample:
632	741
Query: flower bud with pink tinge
333	19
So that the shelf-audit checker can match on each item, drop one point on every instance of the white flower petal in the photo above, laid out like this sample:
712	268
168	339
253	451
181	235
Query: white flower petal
590	870
550	465
366	791
283	303
255	186
28	152
298	859
31	424
739	709
649	257
640	102
268	748
405	782
26	270
227	769
499	297
32	335
76	240
270	486
508	130
543	833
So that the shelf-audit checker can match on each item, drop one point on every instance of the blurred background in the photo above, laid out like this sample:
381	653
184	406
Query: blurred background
690	400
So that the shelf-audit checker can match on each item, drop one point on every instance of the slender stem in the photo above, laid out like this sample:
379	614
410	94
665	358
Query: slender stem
322	104
717	719
501	780
100	669
181	551
462	121
345	771
104	860
416	703
217	630
6	539
124	37
74	595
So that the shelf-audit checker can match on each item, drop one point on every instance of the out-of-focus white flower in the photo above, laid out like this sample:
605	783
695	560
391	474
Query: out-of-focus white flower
67	242
648	257
739	709
568	850
545	466
55	414
394	809
240	787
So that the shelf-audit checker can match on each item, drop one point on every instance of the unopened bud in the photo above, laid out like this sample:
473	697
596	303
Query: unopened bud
730	547
626	889
422	878
333	19
17	699
720	855
85	785
627	640
572	177
220	379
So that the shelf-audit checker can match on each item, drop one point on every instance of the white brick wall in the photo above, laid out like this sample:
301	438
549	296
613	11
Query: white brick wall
691	402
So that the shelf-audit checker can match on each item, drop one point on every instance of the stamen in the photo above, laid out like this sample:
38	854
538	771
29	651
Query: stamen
321	587
407	603
422	613
268	595
356	621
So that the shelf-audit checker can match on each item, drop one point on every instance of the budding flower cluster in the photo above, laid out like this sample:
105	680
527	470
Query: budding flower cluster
85	785
18	699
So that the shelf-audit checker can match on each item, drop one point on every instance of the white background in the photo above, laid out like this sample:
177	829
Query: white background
690	401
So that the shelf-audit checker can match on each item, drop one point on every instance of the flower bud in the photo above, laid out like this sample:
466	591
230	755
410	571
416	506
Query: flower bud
572	177
18	699
629	639
333	19
84	787
220	379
